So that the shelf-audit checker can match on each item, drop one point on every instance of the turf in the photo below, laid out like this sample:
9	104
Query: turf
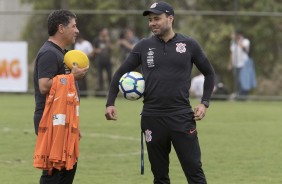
240	141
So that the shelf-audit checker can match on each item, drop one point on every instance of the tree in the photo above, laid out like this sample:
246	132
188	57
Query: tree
209	21
262	28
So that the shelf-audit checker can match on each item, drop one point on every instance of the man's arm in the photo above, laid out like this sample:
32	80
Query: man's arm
45	84
207	70
131	63
205	67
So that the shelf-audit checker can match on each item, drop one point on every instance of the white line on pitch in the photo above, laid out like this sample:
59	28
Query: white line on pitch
115	137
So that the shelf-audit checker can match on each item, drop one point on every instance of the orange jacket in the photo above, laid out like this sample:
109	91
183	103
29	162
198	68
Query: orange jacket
57	144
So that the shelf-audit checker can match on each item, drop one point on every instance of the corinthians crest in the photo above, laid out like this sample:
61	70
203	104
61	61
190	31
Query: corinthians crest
181	47
148	135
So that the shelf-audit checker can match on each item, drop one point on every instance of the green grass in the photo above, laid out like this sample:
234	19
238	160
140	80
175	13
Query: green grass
241	143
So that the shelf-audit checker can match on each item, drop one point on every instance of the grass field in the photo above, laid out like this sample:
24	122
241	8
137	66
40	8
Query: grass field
241	143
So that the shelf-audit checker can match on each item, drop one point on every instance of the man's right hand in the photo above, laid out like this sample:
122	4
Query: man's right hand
111	113
79	73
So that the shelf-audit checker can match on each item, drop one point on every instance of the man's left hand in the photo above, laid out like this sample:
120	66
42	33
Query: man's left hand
199	112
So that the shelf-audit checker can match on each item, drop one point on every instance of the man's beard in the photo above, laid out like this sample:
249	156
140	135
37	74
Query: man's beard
162	32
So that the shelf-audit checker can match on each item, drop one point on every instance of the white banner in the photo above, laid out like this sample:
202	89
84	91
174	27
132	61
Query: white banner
13	67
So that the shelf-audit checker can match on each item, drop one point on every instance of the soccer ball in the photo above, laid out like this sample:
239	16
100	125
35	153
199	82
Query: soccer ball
132	85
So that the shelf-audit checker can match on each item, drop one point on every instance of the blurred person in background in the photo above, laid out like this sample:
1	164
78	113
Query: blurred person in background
49	63
197	86
103	57
241	64
86	47
127	41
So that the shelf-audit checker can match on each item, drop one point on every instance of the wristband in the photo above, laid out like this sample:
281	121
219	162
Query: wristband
205	103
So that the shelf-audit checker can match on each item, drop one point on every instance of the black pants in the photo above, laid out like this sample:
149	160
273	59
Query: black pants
58	177
101	66
82	84
180	131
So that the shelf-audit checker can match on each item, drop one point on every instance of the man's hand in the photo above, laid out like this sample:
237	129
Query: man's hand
111	113
79	73
199	112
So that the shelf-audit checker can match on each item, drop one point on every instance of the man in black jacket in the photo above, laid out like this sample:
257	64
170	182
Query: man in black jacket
166	60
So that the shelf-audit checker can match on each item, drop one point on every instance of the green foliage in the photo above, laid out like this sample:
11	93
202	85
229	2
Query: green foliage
212	31
239	143
263	31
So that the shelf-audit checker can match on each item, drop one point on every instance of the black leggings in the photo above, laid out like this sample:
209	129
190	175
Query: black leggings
180	131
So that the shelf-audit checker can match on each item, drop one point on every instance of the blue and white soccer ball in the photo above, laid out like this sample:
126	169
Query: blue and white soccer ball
132	85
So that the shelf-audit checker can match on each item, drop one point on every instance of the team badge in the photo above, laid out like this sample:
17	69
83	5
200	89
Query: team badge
154	5
63	81
181	47
148	135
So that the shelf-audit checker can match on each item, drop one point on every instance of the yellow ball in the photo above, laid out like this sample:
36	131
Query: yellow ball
76	56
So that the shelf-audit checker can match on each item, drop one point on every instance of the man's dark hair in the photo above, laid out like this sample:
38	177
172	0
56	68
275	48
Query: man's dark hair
58	17
167	15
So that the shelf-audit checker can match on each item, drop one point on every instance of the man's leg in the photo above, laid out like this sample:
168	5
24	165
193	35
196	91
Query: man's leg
58	177
82	84
109	72
186	144
158	147
100	75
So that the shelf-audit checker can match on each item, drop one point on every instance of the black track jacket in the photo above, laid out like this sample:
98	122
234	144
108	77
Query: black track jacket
166	67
